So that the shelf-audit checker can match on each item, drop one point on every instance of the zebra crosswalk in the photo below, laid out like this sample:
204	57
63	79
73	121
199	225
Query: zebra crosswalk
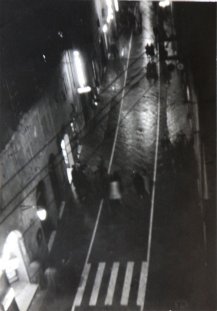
105	284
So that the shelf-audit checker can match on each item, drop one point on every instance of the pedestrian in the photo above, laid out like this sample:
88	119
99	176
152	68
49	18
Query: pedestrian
166	144
166	73
115	196
131	20
149	49
142	183
181	150
151	72
50	276
103	178
83	182
139	184
114	50
147	181
79	180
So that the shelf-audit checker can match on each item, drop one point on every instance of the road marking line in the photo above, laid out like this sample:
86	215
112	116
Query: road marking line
97	284
127	283
112	284
81	288
94	231
153	188
142	284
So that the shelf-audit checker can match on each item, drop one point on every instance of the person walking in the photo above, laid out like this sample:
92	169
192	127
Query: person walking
147	182
80	181
50	276
142	184
103	178
115	196
139	184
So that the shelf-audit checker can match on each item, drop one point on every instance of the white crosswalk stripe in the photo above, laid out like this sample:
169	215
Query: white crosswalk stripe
142	284
81	288
127	283
104	274
97	284
112	284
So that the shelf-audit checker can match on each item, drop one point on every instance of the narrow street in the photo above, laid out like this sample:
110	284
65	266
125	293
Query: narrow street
147	252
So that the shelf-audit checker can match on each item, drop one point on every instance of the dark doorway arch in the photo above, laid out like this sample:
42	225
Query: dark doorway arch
55	183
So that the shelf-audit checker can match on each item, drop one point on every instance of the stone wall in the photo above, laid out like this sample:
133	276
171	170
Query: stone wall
24	163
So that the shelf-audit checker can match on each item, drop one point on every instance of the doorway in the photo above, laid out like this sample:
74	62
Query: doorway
15	258
15	262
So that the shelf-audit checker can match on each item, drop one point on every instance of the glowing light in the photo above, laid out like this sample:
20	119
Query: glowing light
164	3
42	214
76	53
116	5
79	69
79	149
188	93
60	34
44	57
105	28
83	90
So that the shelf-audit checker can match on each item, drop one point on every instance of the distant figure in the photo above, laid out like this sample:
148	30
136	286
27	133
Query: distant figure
151	72
79	180
149	49
139	184
166	144
166	73
115	195
50	276
103	178
147	181
163	52
131	20
114	50
142	184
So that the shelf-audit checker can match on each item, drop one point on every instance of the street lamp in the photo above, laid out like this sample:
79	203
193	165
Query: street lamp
42	213
164	3
105	28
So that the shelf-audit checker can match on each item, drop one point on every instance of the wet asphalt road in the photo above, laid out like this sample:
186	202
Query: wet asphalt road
134	117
